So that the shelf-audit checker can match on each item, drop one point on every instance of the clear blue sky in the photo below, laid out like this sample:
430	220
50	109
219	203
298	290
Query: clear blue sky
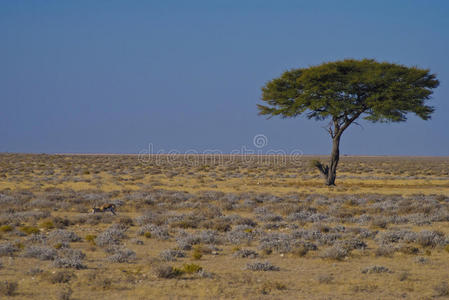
114	76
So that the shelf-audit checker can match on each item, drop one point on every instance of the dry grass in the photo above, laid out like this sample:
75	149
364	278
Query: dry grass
210	229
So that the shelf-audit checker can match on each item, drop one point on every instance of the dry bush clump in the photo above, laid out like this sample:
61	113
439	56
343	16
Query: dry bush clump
246	253
121	255
261	266
41	252
376	269
167	272
111	236
171	255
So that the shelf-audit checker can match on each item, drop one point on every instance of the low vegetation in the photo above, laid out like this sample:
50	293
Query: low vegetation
229	229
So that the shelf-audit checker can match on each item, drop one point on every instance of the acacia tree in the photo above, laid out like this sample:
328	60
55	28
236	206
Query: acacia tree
346	90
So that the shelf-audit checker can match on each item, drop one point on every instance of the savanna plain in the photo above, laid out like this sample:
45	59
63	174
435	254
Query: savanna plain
226	227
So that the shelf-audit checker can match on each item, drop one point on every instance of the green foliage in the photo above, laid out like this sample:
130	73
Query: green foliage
58	246
344	90
6	228
191	268
91	238
197	253
30	229
47	225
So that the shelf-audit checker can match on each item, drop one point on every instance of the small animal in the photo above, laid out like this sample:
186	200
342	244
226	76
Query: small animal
105	207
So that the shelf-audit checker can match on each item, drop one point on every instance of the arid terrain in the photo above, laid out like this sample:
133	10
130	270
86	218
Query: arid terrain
253	227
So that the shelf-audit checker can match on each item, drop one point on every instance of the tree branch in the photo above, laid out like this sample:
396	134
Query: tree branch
348	122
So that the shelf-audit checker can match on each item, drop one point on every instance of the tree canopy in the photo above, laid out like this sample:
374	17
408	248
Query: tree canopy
383	92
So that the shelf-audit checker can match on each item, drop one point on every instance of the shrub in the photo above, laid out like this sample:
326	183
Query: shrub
191	268
429	238
63	236
403	276
148	218
58	246
397	236
47	225
300	251
111	236
151	230
91	238
7	249
275	242
70	259
246	253
6	228
197	253
136	241
422	260
126	221
30	230
379	223
186	241
376	269
352	244
171	255
168	272
218	224
408	249
61	223
336	252
209	237
35	271
8	288
325	278
261	266
385	250
268	286
60	276
122	255
37	238
42	253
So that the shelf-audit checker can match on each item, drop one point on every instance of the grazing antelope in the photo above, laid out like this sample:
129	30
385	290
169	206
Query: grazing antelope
105	207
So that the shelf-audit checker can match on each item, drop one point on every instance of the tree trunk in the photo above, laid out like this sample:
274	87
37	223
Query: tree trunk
333	163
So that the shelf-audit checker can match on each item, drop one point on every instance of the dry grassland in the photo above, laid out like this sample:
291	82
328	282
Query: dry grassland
223	227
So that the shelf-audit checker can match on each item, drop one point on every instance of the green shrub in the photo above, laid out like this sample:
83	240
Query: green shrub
47	225
58	245
91	238
191	268
147	235
6	228
197	253
30	229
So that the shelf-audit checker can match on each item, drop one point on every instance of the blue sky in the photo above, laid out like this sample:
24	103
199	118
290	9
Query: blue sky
114	76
